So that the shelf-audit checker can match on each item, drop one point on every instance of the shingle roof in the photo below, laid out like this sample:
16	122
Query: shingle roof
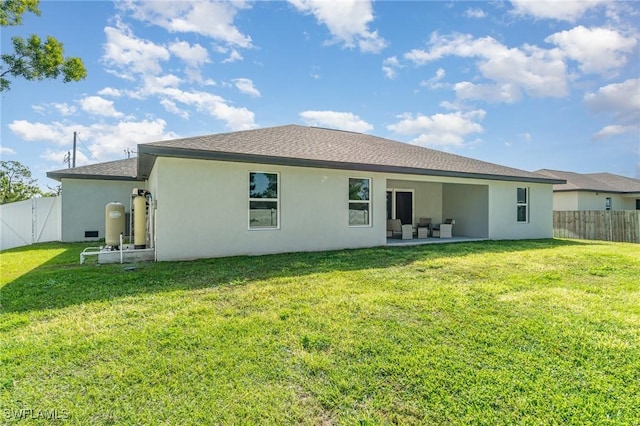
111	170
599	182
319	147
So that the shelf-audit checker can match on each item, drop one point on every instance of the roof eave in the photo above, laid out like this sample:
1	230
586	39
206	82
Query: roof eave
607	191
148	154
59	176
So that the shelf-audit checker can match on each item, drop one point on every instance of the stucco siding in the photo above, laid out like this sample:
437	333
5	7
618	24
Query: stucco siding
468	205
203	210
84	201
427	197
587	200
565	201
596	201
503	222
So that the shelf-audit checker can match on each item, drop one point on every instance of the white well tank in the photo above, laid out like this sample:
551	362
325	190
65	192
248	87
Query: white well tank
140	222
114	223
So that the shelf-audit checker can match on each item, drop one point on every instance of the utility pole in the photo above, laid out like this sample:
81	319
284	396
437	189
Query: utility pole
75	135
67	159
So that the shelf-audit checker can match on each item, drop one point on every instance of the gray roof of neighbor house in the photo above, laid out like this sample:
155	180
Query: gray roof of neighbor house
593	182
295	145
111	170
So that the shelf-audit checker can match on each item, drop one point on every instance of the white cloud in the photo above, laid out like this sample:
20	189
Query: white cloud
96	105
336	120
55	132
104	141
614	130
59	107
109	141
555	9
167	89
434	82
5	150
245	85
154	85
347	20
506	92
234	56
171	107
194	56
616	98
110	91
210	18
475	13
538	72
64	108
390	67
129	53
442	130
235	118
58	156
598	50
622	102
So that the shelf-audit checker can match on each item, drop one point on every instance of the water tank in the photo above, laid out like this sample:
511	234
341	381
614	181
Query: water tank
140	222
114	223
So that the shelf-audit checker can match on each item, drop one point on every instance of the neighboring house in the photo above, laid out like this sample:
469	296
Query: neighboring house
86	190
295	188
594	191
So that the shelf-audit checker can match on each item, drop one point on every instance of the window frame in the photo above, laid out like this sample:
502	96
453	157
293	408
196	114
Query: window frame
368	202
525	204
251	227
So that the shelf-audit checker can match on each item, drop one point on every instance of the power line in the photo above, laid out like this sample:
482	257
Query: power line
89	151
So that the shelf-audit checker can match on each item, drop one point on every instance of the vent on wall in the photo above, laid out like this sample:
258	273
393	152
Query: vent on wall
91	234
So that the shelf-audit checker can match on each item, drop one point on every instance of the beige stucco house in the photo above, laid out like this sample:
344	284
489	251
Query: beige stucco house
296	188
594	191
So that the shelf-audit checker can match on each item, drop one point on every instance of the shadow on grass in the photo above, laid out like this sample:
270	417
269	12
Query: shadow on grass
61	281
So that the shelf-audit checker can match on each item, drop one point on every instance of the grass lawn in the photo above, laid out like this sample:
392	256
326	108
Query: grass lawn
528	332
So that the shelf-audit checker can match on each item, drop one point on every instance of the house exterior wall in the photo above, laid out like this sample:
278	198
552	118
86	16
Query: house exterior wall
468	205
202	208
487	208
427	198
585	200
565	200
503	224
84	201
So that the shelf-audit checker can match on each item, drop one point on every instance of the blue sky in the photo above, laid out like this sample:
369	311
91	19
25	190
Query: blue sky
527	84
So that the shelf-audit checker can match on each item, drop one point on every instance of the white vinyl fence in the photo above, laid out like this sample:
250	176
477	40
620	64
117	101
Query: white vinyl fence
31	221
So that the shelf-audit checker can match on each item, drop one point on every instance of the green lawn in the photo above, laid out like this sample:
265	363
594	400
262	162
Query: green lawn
529	332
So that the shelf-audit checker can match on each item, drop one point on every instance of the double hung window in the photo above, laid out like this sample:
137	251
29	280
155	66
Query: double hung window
522	205
359	202
264	200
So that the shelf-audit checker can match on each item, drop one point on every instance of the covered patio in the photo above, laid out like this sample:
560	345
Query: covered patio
412	200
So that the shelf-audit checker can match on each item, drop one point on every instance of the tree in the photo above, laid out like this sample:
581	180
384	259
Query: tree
33	59
16	183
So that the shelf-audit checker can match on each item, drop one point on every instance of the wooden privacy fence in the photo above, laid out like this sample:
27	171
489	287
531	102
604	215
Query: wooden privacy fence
622	225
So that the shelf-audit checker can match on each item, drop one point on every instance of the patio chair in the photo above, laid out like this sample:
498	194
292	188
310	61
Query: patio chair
395	229
425	227
444	230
